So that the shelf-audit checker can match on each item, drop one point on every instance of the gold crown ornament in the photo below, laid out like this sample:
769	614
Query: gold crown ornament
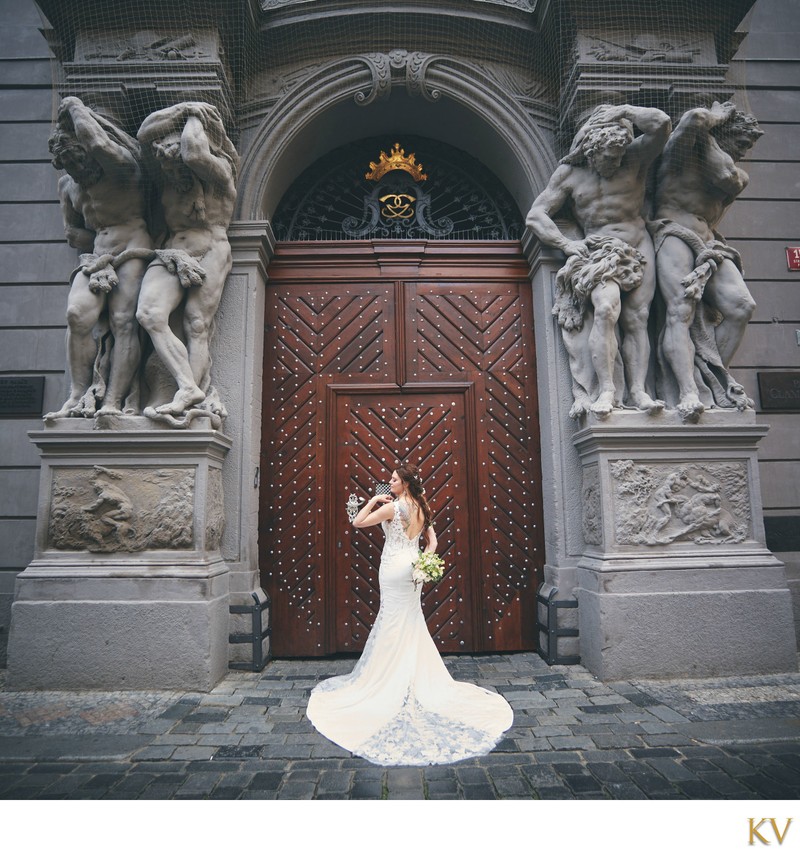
396	161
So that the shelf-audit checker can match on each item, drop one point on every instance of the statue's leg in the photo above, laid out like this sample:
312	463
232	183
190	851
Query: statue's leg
727	292
674	260
161	294
122	303
603	344
83	311
635	339
202	303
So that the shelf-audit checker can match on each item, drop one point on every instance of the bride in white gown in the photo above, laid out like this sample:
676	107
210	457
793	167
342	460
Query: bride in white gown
400	705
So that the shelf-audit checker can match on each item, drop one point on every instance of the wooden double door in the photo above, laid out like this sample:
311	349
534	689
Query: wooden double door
377	353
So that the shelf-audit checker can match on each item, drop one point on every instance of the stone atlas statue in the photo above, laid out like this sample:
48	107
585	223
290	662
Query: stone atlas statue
103	204
625	260
603	180
150	217
700	277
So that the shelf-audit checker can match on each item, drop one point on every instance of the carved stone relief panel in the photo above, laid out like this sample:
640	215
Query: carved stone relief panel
147	46
610	46
215	510
592	508
121	509
659	504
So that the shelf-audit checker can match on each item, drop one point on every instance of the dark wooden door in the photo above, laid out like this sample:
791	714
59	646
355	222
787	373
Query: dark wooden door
380	352
373	431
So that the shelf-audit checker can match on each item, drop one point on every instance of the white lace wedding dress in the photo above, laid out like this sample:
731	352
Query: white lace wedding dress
400	705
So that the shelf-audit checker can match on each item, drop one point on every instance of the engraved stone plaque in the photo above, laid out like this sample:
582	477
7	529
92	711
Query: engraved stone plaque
780	391
21	396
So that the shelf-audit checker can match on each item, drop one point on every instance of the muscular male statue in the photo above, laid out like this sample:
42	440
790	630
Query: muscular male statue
103	202
197	164
697	181
603	181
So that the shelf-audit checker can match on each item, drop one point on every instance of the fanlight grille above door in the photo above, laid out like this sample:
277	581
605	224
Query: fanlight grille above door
456	198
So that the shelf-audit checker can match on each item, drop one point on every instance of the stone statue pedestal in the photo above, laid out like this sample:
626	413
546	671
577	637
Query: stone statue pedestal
127	588
675	579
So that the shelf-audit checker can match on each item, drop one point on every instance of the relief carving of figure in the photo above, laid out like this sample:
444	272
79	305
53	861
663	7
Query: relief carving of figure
124	510
103	204
196	164
603	181
112	507
700	277
701	504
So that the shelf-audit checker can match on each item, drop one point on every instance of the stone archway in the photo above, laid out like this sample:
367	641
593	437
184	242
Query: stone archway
357	96
374	94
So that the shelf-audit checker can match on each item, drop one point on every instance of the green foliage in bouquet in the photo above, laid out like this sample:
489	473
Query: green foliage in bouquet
428	569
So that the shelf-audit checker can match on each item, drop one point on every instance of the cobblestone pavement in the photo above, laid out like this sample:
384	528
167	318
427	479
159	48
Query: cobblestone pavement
573	738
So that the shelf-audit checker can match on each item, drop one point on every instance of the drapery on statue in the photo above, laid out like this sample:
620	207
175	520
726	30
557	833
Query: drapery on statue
700	277
197	166
583	283
603	180
103	205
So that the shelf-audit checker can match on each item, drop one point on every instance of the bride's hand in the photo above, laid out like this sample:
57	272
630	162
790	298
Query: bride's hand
382	498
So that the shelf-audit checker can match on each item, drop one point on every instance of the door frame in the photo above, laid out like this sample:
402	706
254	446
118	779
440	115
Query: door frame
327	394
345	266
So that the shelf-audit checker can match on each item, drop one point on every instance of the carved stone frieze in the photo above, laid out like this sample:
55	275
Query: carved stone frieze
121	509
659	504
147	46
215	511
621	47
592	506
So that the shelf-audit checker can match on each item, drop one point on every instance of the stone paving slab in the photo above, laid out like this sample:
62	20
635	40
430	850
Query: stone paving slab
573	737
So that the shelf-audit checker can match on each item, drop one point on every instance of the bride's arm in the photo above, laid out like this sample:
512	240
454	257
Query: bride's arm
430	539
366	518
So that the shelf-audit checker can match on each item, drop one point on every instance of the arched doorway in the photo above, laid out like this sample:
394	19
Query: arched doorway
400	345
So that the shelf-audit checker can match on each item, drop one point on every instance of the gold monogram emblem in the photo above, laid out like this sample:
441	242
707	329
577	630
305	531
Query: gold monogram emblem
397	206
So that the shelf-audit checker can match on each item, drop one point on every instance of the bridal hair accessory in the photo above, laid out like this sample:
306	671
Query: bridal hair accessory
428	569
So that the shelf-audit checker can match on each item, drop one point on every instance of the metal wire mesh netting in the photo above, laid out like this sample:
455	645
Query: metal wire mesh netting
556	59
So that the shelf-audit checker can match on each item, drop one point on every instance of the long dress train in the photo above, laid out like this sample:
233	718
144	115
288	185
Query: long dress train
400	705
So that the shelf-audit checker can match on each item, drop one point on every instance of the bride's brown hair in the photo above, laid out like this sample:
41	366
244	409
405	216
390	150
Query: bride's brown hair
409	474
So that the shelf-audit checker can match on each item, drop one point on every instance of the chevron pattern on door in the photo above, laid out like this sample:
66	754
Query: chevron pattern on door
483	329
368	360
374	431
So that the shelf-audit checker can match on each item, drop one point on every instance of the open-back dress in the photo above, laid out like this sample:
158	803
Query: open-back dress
400	705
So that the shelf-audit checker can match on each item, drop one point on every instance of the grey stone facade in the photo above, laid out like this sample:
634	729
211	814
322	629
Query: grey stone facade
291	113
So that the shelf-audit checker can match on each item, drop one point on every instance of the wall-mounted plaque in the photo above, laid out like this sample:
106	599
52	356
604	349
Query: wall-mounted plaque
793	257
21	396
780	391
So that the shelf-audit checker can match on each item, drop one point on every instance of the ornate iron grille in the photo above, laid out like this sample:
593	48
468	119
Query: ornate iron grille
460	200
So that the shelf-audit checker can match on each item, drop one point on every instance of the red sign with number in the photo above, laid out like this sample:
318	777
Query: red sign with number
793	257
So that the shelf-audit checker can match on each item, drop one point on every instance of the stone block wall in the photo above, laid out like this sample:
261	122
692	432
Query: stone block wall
762	223
35	263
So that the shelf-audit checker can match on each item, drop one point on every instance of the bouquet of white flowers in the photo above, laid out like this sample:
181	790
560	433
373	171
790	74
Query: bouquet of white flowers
428	569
